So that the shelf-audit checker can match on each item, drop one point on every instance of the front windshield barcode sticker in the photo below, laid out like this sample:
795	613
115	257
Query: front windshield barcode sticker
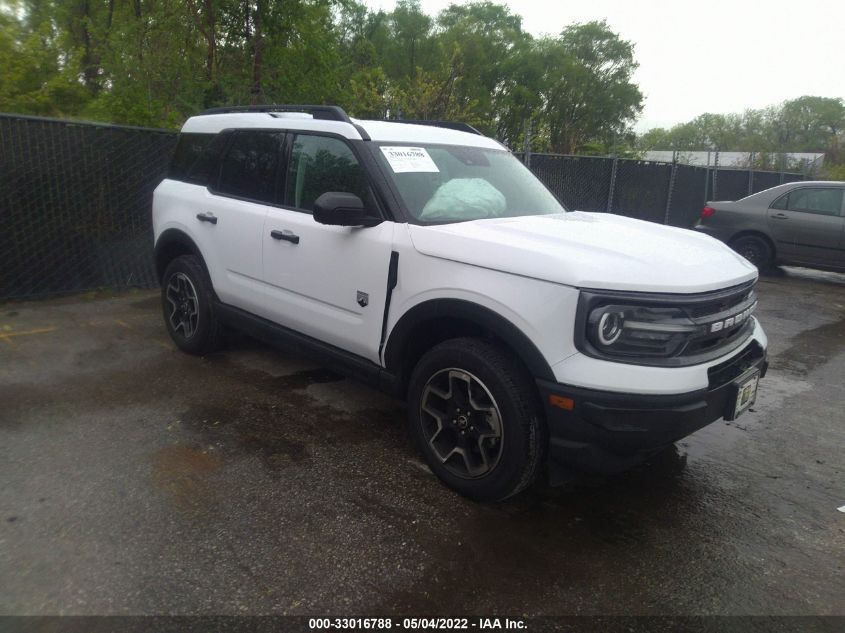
408	159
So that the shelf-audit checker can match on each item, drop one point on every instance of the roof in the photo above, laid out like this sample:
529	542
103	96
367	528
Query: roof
379	131
804	183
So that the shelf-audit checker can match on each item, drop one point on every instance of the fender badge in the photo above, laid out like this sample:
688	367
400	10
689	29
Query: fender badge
363	299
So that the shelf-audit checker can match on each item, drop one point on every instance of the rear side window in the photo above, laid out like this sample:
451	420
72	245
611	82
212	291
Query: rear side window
781	203
249	167
818	200
319	164
194	159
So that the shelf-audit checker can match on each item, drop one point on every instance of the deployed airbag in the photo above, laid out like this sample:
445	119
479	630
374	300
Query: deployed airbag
465	199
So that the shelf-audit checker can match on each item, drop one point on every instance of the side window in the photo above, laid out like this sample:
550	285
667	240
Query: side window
781	203
194	158
816	200
319	164
249	166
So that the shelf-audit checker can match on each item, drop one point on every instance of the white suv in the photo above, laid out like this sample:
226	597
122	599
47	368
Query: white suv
427	260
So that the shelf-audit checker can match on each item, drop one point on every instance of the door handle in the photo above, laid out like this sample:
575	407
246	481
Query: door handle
207	217
780	216
287	236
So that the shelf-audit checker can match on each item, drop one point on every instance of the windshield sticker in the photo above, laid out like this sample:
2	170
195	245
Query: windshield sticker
409	159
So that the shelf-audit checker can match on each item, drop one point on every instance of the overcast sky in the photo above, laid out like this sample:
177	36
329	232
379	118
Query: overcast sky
709	55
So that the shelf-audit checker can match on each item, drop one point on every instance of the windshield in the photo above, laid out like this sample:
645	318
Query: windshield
451	183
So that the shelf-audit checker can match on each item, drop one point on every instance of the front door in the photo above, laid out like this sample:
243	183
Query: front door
807	224
328	282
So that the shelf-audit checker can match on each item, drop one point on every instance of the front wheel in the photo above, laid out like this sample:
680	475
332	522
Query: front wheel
474	415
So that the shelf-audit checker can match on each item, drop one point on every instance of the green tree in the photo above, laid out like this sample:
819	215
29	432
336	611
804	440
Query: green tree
37	76
588	93
410	46
805	124
156	62
482	40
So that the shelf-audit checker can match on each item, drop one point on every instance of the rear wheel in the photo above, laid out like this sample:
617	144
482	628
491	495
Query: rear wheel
187	302
474	416
755	249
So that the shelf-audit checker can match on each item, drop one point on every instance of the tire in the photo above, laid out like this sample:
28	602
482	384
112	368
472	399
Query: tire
188	307
504	441
755	249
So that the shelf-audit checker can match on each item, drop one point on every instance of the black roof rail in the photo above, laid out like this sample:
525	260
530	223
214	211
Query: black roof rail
452	125
325	112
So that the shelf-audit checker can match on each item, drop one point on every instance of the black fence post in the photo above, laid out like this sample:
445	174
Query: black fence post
612	184
526	155
715	175
751	174
671	189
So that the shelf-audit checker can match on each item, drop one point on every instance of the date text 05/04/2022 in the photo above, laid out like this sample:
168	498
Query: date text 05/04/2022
413	624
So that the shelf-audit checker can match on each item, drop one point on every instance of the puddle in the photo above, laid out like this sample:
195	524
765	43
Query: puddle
307	377
183	472
811	348
282	423
546	540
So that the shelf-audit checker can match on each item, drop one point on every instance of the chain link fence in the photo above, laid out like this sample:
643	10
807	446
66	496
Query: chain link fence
668	193
75	203
75	199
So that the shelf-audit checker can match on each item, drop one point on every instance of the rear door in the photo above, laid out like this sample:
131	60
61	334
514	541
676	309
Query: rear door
329	282
807	224
234	207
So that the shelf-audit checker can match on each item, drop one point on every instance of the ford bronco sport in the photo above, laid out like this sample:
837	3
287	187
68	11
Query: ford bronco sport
426	259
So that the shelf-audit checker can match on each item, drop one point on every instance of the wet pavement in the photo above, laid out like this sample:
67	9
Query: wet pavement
135	479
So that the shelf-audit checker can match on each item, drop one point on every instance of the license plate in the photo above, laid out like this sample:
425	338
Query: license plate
746	394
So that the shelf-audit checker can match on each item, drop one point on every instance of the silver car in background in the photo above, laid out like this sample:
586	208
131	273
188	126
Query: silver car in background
800	223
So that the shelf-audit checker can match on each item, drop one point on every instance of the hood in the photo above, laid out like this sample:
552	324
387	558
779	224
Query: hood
590	250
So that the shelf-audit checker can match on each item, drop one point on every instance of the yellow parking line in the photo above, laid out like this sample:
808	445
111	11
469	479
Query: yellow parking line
44	330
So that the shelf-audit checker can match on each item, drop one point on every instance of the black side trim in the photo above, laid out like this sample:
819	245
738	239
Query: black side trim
466	311
392	278
287	339
364	135
169	239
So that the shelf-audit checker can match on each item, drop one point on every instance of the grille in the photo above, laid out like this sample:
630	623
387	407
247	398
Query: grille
722	308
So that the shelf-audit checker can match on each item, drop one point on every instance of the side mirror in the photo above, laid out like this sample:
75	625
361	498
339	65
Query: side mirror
342	209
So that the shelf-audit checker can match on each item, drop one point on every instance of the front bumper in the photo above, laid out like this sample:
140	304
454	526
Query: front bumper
601	432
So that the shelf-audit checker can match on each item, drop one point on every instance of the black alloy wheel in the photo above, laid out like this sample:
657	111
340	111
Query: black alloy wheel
187	301
474	414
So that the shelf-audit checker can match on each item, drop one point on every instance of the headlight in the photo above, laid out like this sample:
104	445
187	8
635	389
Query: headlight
610	327
663	329
620	330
